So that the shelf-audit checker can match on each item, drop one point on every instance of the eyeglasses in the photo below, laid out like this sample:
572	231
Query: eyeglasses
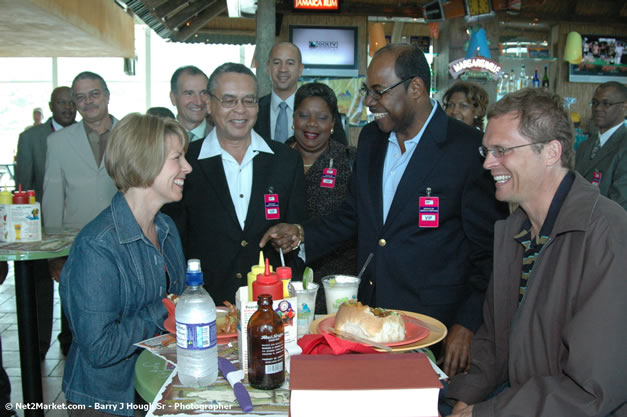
377	94
500	152
93	95
604	104
461	106
228	102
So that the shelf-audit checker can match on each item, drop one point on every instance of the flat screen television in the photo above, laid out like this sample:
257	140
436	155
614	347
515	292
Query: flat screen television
604	59
328	51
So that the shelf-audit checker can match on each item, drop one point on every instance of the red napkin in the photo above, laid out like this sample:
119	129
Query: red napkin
329	344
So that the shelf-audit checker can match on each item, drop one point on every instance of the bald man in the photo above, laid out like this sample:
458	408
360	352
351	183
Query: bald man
29	172
285	66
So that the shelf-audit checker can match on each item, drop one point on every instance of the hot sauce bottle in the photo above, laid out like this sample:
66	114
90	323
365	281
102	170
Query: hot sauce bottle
266	346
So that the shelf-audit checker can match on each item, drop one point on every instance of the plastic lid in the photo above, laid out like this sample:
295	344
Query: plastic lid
260	268
194	273
284	272
267	277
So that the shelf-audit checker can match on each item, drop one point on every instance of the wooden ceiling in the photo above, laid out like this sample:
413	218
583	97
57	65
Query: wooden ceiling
195	20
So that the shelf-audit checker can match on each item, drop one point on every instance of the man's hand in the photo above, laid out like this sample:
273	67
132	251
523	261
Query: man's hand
462	409
55	266
284	236
456	350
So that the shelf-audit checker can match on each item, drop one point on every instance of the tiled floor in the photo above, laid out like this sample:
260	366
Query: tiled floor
51	368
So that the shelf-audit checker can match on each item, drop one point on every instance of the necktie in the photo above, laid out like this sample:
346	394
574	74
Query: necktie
192	137
280	130
595	149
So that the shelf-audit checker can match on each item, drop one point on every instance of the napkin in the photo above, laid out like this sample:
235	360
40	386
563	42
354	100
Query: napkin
329	344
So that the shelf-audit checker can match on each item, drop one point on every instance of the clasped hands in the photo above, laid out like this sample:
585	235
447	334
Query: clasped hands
283	236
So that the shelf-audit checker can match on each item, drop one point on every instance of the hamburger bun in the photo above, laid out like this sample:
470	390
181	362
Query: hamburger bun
374	324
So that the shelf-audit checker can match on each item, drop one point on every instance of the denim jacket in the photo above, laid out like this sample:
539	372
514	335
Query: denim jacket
111	289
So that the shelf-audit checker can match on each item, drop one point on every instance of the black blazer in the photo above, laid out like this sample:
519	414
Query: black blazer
442	272
208	224
262	126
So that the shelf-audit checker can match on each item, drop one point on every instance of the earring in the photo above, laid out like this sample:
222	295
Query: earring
292	126
332	130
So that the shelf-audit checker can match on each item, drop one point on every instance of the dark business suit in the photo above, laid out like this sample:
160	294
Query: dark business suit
29	172
262	126
610	161
442	272
207	220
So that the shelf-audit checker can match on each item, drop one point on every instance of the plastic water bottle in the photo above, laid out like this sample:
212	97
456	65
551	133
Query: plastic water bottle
196	333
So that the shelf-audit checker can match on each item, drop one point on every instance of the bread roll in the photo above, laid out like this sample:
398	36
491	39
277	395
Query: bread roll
374	324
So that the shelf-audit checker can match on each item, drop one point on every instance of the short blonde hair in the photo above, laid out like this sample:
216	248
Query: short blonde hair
136	149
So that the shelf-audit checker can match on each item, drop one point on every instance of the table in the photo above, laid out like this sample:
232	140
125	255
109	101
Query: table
26	303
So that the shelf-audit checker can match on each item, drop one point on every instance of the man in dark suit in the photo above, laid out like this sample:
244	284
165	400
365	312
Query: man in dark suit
419	201
237	182
285	67
602	159
29	172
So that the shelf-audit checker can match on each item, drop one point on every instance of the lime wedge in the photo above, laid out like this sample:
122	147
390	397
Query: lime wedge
308	277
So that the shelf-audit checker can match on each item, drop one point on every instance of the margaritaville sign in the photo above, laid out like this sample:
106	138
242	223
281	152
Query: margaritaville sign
475	67
317	4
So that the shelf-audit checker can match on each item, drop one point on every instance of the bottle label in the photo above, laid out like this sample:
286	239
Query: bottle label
197	336
272	352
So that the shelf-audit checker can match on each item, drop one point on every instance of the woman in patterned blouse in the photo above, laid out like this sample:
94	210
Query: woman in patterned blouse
315	107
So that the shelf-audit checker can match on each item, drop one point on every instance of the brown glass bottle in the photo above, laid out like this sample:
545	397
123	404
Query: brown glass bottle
266	346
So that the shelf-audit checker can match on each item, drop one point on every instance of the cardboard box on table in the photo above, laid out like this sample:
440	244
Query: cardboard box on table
286	308
20	222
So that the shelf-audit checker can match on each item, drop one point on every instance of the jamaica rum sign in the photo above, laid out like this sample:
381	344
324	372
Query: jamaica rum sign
317	4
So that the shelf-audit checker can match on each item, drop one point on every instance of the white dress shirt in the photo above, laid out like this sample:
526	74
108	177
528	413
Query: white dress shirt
239	177
603	138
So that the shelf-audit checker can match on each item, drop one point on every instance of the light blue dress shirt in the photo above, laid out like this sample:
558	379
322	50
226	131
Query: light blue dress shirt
396	162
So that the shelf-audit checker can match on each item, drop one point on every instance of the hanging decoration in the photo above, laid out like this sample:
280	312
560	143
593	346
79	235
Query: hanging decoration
477	63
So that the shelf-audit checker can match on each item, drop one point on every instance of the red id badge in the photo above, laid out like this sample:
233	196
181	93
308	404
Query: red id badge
271	203
429	212
328	177
596	178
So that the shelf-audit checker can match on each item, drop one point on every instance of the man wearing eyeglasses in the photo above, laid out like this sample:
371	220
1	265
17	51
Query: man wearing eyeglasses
77	186
553	333
602	159
419	201
29	172
188	92
275	121
239	186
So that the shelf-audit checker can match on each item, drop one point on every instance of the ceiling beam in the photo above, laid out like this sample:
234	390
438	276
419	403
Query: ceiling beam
187	13
216	9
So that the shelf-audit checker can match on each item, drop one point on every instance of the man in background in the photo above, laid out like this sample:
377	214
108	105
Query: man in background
38	116
602	159
77	186
29	173
188	92
276	110
554	330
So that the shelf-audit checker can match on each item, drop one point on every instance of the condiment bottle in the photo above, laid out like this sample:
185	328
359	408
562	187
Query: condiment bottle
6	197
266	346
268	283
252	275
31	196
20	197
285	275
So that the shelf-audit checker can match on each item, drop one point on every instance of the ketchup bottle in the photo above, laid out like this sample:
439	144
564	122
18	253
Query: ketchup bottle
266	346
20	197
268	283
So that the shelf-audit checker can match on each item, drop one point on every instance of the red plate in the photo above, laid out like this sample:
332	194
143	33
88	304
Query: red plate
170	325
413	331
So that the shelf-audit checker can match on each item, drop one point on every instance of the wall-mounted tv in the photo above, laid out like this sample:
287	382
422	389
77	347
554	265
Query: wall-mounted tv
328	51
604	59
